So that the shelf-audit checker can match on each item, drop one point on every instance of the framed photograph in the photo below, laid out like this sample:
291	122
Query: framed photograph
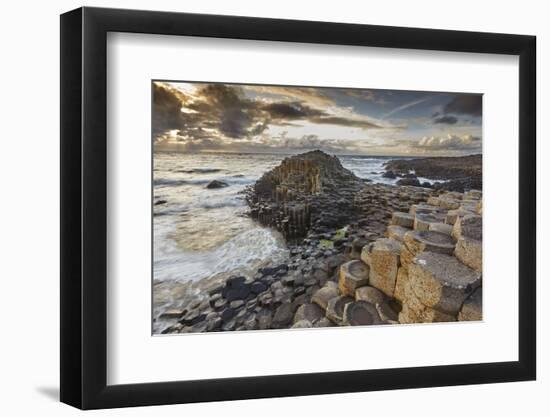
257	208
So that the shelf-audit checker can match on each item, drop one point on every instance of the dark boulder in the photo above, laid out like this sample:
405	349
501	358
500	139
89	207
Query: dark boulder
216	184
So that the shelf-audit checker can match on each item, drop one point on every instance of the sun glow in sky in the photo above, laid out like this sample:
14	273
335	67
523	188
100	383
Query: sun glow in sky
213	117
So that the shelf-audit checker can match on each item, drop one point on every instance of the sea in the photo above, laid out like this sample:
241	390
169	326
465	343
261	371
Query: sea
204	234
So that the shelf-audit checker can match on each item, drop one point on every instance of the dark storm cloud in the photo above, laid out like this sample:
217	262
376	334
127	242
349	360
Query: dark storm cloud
167	113
467	104
446	120
291	111
218	110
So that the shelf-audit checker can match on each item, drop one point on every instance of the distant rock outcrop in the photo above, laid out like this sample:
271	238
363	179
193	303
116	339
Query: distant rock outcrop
456	173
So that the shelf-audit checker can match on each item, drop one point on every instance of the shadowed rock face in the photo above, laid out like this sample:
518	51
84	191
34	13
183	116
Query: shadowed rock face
310	190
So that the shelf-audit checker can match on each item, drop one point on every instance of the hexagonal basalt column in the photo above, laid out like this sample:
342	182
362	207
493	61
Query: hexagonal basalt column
353	274
470	252
442	282
402	219
420	241
382	256
360	313
472	309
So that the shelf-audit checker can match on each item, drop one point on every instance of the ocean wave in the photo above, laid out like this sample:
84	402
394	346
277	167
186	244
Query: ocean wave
242	254
199	170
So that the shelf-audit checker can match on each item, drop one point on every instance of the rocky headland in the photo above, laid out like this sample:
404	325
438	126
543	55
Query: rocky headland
360	254
458	173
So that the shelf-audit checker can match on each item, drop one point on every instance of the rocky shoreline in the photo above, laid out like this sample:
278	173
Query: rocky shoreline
458	173
360	254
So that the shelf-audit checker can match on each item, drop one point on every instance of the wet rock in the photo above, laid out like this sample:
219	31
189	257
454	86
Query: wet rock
324	295
264	319
409	181
283	316
216	184
370	295
258	287
324	322
160	202
389	174
472	309
353	274
214	324
382	256
192	318
442	282
386	313
360	313
335	308
227	314
236	304
302	324
309	312
220	303
173	313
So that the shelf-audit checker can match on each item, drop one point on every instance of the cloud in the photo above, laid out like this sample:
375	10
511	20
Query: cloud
406	106
291	110
447	120
467	104
218	111
449	142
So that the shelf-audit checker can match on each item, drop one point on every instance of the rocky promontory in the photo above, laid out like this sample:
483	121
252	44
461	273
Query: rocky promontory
307	191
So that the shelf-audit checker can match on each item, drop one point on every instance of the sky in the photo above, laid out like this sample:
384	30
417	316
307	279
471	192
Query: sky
216	117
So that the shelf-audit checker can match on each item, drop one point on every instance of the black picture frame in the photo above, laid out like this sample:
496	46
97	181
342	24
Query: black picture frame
84	207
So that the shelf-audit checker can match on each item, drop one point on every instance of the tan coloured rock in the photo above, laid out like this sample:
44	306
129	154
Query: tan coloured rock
469	226
473	194
449	203
422	221
472	309
353	274
423	208
396	232
470	252
470	205
452	215
382	256
479	209
441	281
454	195
400	283
370	295
433	201
402	219
419	241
